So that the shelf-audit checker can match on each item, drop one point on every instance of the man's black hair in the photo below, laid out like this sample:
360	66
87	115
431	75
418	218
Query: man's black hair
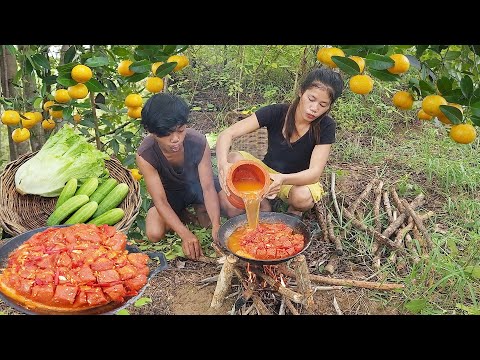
164	113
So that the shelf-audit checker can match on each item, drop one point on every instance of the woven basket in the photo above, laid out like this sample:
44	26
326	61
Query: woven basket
21	213
256	143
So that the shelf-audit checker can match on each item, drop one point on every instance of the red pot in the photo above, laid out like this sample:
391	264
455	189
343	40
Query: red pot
245	170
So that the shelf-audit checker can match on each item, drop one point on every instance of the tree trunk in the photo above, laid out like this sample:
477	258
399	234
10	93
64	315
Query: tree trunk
8	71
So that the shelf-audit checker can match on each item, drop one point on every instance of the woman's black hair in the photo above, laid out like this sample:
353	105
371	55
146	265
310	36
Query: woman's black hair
324	78
163	113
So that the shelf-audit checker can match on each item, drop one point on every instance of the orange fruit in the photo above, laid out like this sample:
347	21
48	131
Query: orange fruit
30	120
443	118
133	100
20	134
324	55
360	62
62	96
181	61
155	66
361	84
56	114
48	124
402	64
135	112
48	104
10	117
463	133
38	116
154	84
81	73
431	104
422	115
403	100
123	68
79	91
136	174
77	118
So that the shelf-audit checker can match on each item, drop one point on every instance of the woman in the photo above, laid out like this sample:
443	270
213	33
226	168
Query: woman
300	136
176	164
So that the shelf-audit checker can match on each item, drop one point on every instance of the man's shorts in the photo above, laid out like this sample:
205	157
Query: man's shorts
316	189
193	194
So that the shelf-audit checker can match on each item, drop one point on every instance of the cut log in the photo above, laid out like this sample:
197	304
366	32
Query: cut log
331	235
418	222
303	281
260	306
322	219
224	282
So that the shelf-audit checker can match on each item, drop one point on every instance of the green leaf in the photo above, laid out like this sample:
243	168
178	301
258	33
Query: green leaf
88	123
49	80
475	120
180	48
416	306
142	302
169	49
452	55
65	68
136	77
66	80
420	50
384	75
473	271
444	85
97	61
433	62
110	85
12	49
129	160
120	51
379	62
452	246
141	66
426	87
466	84
347	65
452	113
37	104
70	54
94	85
165	69
122	312
196	108
106	122
455	96
475	108
115	146
41	61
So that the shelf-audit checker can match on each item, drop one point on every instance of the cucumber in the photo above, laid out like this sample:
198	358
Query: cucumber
88	187
113	199
83	214
110	217
103	190
67	208
67	192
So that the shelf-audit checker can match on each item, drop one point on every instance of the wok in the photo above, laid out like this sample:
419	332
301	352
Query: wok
295	223
108	309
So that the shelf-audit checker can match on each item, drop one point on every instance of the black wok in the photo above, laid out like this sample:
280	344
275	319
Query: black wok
295	223
107	309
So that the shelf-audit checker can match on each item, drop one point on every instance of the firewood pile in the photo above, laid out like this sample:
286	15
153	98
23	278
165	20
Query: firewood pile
397	223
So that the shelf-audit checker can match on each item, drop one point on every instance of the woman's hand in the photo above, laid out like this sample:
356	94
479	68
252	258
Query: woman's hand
277	182
222	176
191	246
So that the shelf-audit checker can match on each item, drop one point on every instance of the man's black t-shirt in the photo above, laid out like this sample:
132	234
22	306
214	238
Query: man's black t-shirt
280	156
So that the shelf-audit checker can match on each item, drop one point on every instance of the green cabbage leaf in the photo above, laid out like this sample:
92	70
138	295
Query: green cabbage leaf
64	155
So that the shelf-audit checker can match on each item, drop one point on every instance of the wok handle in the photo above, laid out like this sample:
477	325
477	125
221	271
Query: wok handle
154	255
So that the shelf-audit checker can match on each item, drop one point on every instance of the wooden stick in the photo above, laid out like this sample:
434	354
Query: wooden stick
260	306
209	280
224	282
320	212
362	196
303	281
334	198
377	236
345	282
388	207
282	290
281	311
291	307
411	247
396	200
376	213
418	201
418	222
331	235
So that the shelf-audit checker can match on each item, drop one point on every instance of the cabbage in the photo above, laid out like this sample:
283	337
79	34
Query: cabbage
64	155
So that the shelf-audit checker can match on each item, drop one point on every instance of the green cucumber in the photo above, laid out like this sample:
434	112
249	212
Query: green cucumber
67	192
67	208
83	214
88	187
110	217
103	190
113	199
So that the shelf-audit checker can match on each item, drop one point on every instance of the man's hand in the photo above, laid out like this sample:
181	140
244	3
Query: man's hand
191	247
215	229
277	182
